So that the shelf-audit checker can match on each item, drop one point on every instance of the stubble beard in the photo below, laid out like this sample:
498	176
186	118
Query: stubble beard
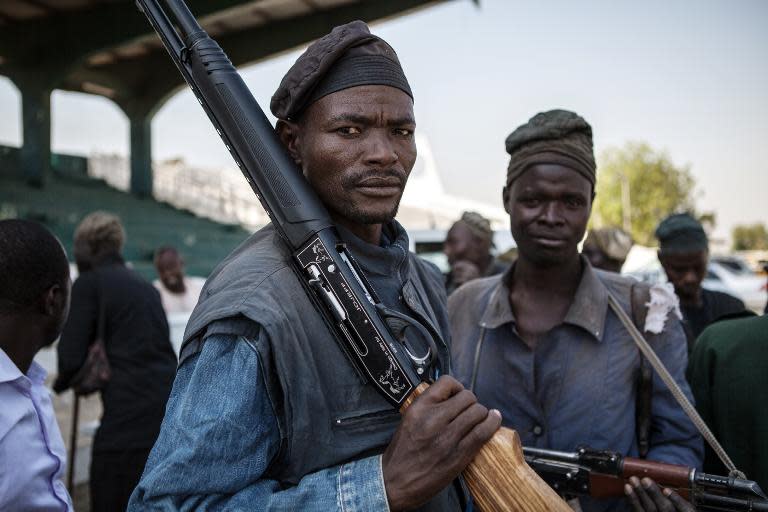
357	213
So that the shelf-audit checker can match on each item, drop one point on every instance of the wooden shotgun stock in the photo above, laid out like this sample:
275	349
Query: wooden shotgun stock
499	478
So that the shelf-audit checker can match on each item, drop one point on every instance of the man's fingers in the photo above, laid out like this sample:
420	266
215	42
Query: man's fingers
645	500
443	389
680	504
456	405
653	491
481	433
463	423
634	501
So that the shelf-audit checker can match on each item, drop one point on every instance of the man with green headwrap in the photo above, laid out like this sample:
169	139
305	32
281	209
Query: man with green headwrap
684	254
540	343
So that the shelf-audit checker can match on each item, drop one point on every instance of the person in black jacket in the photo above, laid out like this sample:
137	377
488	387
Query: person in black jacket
142	360
684	255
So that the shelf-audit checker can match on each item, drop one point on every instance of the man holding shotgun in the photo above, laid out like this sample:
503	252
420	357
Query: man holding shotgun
267	412
540	342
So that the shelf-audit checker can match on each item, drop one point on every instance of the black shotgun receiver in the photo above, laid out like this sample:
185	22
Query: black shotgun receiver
336	285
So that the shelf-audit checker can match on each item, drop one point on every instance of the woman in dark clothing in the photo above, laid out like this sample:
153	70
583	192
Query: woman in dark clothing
139	351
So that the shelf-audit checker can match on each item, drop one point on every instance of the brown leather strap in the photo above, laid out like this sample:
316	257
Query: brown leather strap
640	296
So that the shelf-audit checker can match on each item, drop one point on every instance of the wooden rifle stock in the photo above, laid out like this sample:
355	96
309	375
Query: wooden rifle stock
603	474
609	486
673	476
500	479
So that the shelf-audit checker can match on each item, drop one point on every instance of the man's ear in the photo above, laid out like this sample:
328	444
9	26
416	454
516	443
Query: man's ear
53	301
505	198
288	132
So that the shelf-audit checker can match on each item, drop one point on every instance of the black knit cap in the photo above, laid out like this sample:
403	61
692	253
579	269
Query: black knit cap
347	57
681	233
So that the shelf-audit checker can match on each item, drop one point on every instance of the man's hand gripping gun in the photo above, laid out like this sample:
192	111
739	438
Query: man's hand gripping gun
372	336
602	474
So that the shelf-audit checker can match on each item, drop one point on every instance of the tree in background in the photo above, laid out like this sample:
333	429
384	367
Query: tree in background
637	187
749	238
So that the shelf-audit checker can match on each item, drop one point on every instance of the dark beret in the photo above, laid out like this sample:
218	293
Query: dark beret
554	137
681	232
349	56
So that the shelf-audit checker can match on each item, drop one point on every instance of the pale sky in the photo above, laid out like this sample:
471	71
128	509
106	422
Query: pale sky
689	77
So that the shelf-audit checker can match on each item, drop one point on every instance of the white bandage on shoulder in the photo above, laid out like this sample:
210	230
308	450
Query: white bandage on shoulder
663	300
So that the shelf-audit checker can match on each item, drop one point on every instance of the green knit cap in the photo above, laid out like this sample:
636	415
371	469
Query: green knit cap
554	137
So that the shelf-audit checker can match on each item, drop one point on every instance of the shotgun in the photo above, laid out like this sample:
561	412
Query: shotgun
602	474
371	335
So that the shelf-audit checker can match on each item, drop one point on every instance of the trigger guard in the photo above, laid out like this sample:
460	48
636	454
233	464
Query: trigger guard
399	322
397	325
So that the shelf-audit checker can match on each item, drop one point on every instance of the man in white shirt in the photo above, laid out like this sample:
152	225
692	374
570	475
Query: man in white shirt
34	302
178	292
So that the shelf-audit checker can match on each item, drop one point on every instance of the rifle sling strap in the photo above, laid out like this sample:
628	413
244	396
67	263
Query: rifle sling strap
640	296
677	393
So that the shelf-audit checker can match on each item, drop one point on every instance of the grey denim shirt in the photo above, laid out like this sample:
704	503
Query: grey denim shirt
577	386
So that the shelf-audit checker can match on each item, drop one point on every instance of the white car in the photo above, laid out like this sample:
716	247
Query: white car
740	282
730	278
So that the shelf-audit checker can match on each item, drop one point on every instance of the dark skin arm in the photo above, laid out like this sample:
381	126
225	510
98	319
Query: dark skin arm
440	433
646	496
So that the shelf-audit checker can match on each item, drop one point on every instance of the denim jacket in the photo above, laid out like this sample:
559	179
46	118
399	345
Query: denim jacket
219	436
284	417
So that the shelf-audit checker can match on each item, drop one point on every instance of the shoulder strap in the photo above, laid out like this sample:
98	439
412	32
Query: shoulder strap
640	296
479	345
677	393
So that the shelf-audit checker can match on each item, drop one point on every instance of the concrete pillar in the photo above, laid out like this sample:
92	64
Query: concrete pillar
141	154
35	154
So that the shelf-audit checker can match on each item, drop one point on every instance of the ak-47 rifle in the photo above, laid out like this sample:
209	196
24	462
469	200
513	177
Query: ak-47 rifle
602	474
372	336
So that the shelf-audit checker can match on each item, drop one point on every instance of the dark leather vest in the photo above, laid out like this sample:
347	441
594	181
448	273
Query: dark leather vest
326	411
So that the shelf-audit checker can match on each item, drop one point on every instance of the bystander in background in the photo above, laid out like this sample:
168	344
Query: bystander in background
468	249
728	372
607	248
34	300
140	355
684	255
178	292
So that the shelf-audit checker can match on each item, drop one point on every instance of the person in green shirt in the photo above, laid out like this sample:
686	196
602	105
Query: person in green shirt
728	373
